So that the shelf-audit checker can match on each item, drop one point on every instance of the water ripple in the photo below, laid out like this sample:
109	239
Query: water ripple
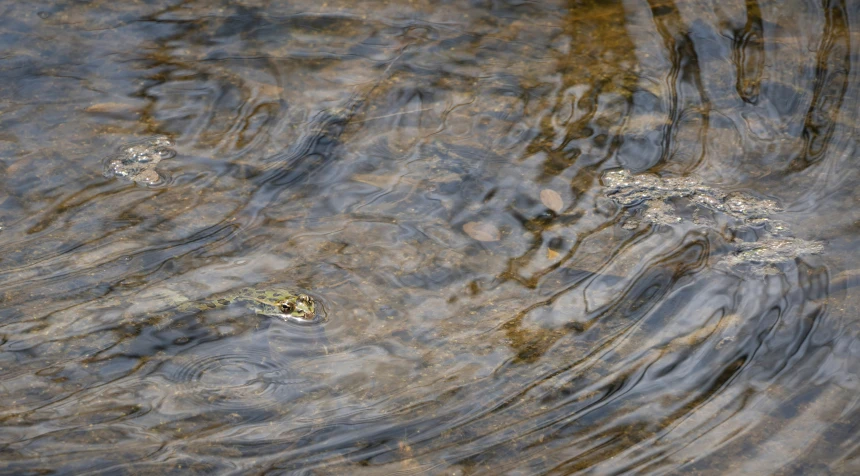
436	178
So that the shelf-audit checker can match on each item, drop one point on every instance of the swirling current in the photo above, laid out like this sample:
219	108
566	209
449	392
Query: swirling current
562	237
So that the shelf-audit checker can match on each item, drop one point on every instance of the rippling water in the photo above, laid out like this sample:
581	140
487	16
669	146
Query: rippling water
431	174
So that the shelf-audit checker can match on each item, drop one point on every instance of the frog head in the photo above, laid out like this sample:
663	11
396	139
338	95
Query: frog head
299	307
280	303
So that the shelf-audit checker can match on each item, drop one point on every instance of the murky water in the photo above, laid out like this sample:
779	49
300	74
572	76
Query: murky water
433	175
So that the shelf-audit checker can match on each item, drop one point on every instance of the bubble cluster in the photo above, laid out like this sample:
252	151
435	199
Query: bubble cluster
663	199
137	161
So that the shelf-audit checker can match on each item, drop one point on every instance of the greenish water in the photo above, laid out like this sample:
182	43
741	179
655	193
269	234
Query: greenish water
434	176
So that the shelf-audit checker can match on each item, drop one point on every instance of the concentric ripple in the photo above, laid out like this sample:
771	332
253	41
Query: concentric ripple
235	381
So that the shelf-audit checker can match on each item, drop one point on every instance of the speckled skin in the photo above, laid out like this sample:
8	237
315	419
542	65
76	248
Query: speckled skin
270	302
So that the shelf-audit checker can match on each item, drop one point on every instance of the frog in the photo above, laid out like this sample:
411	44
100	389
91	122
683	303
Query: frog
281	303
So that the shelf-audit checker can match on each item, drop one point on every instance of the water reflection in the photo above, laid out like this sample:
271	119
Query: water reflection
432	176
832	69
748	54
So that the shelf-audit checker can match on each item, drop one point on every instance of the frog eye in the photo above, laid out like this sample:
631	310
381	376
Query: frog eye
288	307
304	298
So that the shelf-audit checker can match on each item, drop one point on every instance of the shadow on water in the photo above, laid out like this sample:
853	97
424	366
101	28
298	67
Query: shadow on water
435	177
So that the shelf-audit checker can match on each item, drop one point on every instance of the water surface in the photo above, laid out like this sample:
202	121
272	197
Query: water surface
431	174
